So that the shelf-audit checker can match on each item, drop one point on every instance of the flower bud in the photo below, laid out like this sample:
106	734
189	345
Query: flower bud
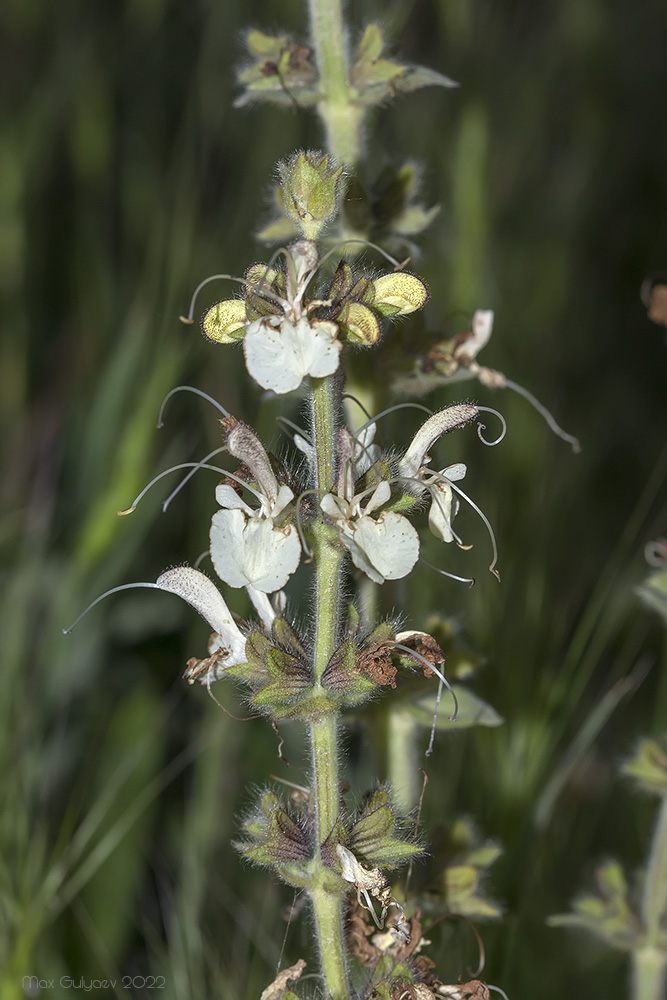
398	294
311	188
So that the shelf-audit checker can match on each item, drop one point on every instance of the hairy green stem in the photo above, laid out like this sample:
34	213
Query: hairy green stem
650	961
342	117
327	904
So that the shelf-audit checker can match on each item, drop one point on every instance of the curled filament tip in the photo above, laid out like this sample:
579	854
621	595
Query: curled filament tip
481	427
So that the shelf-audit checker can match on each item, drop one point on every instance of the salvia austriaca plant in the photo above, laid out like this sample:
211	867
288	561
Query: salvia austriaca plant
347	504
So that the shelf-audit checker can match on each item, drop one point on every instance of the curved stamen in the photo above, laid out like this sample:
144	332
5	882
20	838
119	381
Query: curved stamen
261	288
429	749
483	516
550	419
228	277
188	388
481	427
298	430
200	558
497	989
348	395
387	256
390	409
107	593
435	498
431	666
452	576
189	465
189	476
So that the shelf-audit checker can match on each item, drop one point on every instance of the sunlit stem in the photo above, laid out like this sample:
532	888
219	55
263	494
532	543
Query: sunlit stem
342	118
187	465
550	419
327	905
188	388
107	593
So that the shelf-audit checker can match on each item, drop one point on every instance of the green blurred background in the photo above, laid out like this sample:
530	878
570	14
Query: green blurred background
125	177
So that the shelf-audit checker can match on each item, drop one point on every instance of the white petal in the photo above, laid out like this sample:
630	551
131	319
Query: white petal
390	544
196	588
380	495
454	472
262	606
284	497
279	359
307	448
228	497
335	507
252	552
482	328
441	514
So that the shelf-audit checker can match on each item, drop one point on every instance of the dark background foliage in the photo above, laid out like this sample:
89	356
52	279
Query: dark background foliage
125	177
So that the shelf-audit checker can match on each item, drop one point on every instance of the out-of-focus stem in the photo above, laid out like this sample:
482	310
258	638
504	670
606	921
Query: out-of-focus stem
402	771
342	118
649	962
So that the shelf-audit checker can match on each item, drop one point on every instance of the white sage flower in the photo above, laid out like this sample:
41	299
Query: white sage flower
384	546
280	352
227	644
282	348
253	547
415	466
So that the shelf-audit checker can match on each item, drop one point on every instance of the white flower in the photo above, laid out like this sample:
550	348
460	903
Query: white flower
415	466
283	347
252	547
384	547
227	645
280	352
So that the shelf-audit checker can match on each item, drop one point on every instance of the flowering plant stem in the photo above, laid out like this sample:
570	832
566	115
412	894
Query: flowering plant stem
342	118
650	960
327	906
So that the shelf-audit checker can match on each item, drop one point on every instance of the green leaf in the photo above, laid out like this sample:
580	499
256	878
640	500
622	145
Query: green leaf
371	44
421	76
372	835
285	635
473	711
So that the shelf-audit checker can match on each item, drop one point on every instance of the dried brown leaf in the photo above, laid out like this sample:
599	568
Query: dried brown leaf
278	988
